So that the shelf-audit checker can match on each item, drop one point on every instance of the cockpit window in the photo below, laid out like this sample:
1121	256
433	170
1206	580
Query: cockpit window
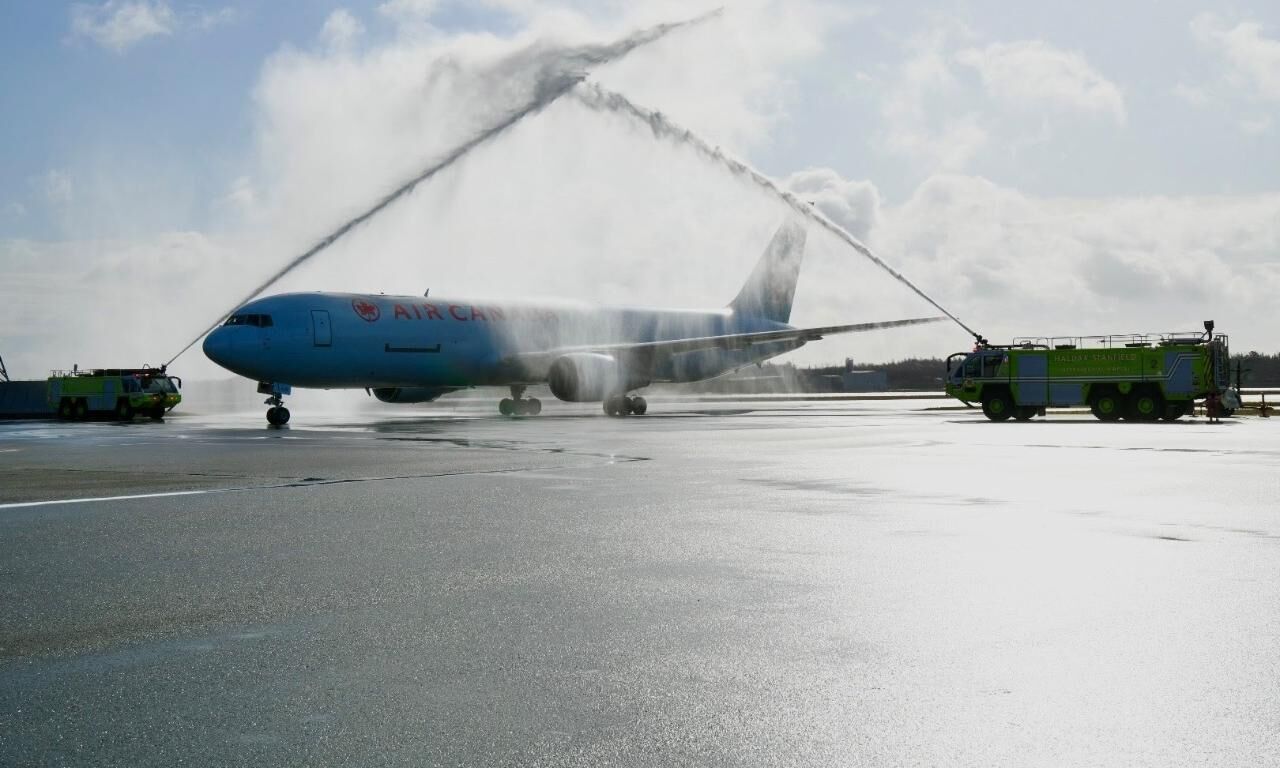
257	321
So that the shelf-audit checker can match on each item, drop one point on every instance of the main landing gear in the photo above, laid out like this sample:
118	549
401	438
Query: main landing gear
517	405
622	405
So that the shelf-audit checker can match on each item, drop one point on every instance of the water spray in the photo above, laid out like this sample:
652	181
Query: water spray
601	100
555	78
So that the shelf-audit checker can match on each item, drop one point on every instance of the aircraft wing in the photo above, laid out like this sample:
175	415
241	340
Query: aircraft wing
732	341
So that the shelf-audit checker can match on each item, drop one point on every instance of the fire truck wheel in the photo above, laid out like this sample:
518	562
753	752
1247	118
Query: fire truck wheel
80	411
1024	413
1106	406
124	410
66	409
1145	405
997	406
1174	411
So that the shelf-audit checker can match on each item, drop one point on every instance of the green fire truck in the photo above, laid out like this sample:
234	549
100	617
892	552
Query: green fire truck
120	392
1138	377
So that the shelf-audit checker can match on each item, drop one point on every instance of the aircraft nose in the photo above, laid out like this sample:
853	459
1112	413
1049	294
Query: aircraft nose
218	347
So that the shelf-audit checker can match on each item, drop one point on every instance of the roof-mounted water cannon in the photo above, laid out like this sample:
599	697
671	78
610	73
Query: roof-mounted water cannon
1208	329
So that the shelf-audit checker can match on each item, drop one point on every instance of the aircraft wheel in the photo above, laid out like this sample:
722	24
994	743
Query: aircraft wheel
533	406
277	416
80	411
507	407
124	410
615	406
638	405
284	415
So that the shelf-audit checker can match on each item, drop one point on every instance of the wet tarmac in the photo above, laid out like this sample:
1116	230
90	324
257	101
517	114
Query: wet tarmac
715	583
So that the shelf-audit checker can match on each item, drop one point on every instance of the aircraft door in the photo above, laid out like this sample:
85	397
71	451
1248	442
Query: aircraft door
320	327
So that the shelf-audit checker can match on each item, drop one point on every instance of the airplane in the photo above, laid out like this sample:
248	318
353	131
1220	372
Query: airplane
414	349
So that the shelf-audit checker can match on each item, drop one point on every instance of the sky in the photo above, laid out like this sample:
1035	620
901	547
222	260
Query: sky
1040	169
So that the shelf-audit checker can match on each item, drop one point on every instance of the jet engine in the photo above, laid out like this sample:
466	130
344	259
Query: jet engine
586	377
410	394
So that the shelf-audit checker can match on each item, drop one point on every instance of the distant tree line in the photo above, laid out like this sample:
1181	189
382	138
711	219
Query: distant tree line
917	374
914	373
1259	370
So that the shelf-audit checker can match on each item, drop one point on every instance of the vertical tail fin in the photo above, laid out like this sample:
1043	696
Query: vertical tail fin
769	291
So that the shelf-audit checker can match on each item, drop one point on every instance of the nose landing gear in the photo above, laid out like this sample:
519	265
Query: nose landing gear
517	406
277	414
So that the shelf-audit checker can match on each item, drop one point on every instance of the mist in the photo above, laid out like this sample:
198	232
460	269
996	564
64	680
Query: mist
579	204
545	72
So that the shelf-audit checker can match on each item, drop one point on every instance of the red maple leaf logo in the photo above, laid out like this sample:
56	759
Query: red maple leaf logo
367	310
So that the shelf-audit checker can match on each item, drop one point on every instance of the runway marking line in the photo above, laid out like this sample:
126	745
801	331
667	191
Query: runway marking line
295	484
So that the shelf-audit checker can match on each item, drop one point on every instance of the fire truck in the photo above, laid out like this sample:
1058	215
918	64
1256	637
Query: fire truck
1138	377
119	392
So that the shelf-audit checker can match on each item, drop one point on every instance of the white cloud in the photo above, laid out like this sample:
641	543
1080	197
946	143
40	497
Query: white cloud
1194	95
578	204
408	11
15	210
531	214
925	116
1014	264
1252	59
340	30
56	187
203	19
854	205
1255	126
242	195
52	291
1033	73
120	24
